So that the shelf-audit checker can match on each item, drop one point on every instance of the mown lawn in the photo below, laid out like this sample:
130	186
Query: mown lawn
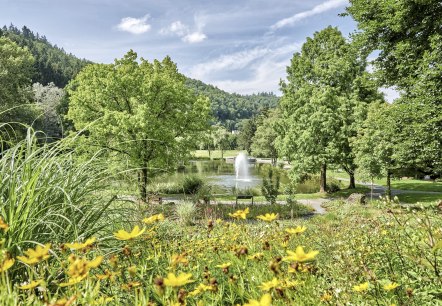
402	184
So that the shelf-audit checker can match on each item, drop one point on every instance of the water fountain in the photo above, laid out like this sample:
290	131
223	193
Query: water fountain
242	167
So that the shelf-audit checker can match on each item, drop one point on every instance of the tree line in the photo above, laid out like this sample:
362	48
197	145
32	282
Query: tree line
147	116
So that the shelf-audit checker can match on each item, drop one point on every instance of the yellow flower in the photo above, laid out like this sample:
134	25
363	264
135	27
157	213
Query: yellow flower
361	288
291	284
268	217
130	285
103	300
132	270
256	256
326	297
266	286
123	235
108	275
79	246
32	284
390	286
3	225
201	288
36	255
79	268
177	259
266	300
176	281
240	214
300	256
153	219
224	265
73	281
6	264
296	230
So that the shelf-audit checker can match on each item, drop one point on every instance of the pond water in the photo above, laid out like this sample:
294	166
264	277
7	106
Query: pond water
222	174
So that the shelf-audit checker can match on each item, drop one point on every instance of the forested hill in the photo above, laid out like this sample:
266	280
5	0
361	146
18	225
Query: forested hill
52	64
229	109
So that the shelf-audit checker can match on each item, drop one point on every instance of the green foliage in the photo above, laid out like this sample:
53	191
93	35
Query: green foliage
46	196
52	64
409	37
404	31
230	109
247	130
324	99
264	140
15	97
270	185
192	184
141	113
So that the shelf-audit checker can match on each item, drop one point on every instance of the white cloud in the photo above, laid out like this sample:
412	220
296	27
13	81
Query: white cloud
194	37
176	27
318	9
182	30
228	62
134	25
267	67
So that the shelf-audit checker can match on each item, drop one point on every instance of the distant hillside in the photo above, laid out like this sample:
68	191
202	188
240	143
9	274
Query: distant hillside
52	64
229	109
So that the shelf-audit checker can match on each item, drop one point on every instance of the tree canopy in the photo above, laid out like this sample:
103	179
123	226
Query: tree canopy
15	94
139	112
52	64
323	98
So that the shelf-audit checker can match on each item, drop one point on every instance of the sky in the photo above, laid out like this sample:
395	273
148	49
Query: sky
241	46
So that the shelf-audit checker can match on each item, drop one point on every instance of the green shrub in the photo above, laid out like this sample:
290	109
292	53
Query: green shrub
192	184
270	186
46	196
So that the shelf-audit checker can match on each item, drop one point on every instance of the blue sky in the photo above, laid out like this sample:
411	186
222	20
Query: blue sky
240	46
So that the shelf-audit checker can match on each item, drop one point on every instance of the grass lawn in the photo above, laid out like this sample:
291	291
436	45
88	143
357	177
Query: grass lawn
406	184
419	198
215	153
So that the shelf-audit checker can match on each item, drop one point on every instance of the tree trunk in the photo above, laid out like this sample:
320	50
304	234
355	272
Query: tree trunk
352	181
142	180
389	185
323	186
222	153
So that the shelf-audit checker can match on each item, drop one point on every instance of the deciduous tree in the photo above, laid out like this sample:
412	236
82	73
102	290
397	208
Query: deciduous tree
140	112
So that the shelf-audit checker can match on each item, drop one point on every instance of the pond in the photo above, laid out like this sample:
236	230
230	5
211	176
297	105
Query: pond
221	174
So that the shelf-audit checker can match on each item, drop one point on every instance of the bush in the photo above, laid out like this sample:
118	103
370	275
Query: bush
333	187
270	186
192	184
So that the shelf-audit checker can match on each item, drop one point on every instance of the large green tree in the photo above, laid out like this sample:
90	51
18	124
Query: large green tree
324	97
15	93
246	132
264	140
139	112
408	36
403	31
376	145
